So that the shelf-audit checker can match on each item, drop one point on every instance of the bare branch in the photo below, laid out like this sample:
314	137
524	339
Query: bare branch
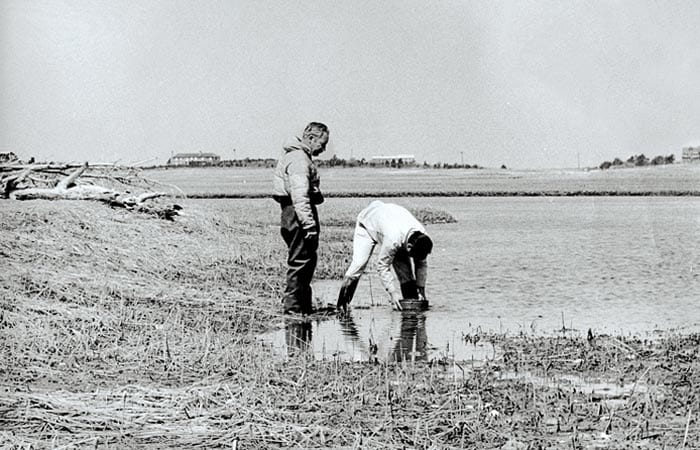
70	180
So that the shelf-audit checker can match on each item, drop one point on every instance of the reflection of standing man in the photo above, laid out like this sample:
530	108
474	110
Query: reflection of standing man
297	190
297	336
404	246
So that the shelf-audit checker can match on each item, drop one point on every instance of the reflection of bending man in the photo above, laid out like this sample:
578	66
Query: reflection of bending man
404	245
412	343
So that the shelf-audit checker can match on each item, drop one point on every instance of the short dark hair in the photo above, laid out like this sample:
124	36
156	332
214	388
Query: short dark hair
421	244
315	126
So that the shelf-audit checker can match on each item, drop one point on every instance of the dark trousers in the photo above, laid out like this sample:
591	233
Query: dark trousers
302	259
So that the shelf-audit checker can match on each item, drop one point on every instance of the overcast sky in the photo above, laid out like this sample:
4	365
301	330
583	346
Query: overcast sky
528	84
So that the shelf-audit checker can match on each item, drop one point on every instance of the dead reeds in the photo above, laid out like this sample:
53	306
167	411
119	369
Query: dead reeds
119	330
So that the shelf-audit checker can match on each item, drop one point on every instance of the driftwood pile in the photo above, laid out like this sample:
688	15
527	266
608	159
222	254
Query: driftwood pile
121	187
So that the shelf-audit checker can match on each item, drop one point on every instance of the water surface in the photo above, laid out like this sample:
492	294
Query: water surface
622	265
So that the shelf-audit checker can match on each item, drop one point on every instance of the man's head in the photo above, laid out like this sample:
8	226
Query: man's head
315	136
419	245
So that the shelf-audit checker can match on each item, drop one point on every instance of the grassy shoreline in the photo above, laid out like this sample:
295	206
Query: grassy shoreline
120	330
392	194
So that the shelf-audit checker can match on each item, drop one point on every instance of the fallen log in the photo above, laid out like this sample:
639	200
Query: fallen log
11	182
70	188
83	192
70	179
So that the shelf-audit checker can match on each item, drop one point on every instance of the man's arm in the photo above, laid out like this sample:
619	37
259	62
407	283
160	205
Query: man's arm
421	267
384	261
298	175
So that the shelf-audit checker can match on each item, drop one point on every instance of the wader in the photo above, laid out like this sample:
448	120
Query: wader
302	259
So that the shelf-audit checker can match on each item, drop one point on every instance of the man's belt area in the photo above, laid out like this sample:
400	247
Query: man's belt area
283	200
286	200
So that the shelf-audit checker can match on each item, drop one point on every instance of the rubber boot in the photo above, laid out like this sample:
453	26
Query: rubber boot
347	291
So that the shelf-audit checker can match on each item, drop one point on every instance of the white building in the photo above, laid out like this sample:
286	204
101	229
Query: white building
691	154
194	159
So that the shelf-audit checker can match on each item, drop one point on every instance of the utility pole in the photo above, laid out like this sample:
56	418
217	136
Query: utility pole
461	155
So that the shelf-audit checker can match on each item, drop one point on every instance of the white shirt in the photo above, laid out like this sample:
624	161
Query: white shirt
389	226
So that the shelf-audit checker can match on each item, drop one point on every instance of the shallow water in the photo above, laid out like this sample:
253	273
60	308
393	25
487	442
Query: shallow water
373	331
623	265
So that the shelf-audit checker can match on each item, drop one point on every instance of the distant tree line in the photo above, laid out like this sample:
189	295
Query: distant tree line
335	162
248	162
10	157
637	161
397	163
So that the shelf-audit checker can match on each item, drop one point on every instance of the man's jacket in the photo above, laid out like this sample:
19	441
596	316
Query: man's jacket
389	226
296	179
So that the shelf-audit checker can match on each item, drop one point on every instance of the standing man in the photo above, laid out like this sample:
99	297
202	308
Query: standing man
403	244
296	189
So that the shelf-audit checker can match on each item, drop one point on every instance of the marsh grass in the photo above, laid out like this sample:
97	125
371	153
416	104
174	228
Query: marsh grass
124	331
212	182
425	215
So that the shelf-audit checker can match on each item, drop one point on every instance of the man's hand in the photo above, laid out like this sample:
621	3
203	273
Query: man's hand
421	293
396	301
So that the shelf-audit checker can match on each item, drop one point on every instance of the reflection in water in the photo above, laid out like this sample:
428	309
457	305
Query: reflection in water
348	327
297	334
351	333
377	334
412	342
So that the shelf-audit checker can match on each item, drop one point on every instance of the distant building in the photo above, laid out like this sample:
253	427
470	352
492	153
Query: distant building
691	154
402	159
194	159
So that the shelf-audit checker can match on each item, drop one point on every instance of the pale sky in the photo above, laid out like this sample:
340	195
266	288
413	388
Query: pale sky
528	84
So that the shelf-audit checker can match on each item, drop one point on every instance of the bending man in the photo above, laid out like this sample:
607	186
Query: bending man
403	245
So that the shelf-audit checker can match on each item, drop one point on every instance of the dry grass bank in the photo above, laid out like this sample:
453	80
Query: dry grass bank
121	330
